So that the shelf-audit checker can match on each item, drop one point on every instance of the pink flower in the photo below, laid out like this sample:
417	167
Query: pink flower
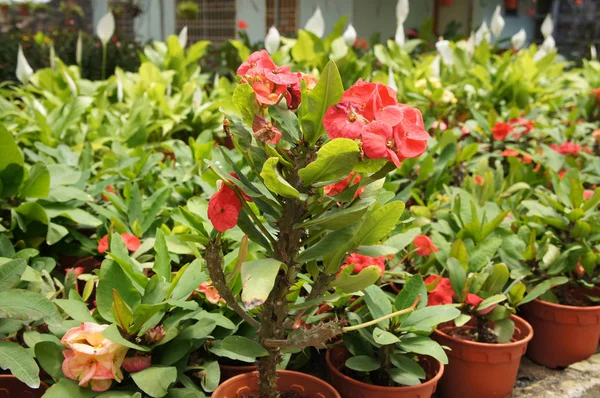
424	245
587	194
567	148
92	359
501	130
338	187
131	241
137	363
211	292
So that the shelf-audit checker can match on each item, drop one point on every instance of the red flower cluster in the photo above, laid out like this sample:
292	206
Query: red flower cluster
510	153
241	24
596	92
224	207
424	245
131	241
361	262
501	130
371	112
442	292
338	187
567	148
108	189
270	82
361	43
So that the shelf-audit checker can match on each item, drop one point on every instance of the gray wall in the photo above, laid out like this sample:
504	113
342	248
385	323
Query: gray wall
254	13
485	9
332	10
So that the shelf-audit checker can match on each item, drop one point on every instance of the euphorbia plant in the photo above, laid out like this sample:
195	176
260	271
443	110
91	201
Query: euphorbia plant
310	148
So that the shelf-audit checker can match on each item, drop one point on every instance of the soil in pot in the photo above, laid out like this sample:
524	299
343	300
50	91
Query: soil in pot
481	370
290	385
564	334
346	382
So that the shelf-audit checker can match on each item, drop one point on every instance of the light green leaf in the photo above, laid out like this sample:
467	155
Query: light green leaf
162	261
187	279
112	333
20	363
155	381
423	345
9	151
337	219
409	293
244	346
378	303
258	278
458	277
245	101
50	357
504	330
38	183
77	310
403	378
348	283
10	273
384	337
426	319
488	302
363	363
66	388
275	182
27	305
335	160
380	223
542	288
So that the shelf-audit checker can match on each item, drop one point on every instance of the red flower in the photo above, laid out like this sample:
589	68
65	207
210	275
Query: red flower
501	130
587	194
338	187
256	63
75	271
524	125
561	173
224	208
473	299
108	189
211	292
596	93
131	242
103	244
510	153
424	245
361	262
264	131
241	24
411	137
377	140
281	75
442	293
267	92
344	120
479	180
567	148
527	159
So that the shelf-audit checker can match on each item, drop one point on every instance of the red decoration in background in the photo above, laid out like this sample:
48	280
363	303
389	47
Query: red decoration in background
446	3
511	4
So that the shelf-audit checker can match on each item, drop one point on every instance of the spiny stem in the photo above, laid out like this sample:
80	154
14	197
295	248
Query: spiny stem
383	318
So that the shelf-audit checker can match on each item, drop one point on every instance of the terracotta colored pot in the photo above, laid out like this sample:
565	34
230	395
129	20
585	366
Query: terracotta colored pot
446	3
481	370
229	371
349	388
564	334
247	385
11	387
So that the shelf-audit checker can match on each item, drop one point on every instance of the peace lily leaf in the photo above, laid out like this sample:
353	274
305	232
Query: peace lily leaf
326	93
244	346
155	381
363	363
348	283
20	363
105	28
275	182
258	278
335	160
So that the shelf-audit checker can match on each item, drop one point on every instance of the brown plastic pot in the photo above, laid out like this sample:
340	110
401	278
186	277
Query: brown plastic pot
11	387
481	370
564	334
246	385
349	388
229	371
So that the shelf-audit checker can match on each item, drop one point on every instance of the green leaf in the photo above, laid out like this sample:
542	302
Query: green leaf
542	288
304	49
378	303
244	346
275	182
113	277
121	311
66	388
112	333
9	151
409	294
403	378
218	349
155	381
363	363
458	277
244	100
380	223
187	279
75	309
162	261
423	345
335	160
407	365
488	302
10	273
348	283
404	239
504	330
258	278
50	357
198	331
326	93
340	218
426	319
483	253
384	337
27	305
287	123
497	280
330	243
38	183
458	250
18	360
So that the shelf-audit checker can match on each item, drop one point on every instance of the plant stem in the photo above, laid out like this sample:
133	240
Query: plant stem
104	51
383	318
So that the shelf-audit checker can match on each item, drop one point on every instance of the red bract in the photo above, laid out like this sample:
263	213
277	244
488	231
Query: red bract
224	208
108	189
442	293
567	148
241	24
501	130
137	363
378	140
596	93
411	137
267	92
103	244
131	241
343	120
361	262
281	75
524	125
587	194
473	299
509	153
264	131
211	292
479	180
256	63
338	187
424	245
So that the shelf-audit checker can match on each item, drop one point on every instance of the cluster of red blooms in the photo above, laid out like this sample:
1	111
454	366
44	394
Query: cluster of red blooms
131	241
224	207
361	43
424	245
515	127
338	187
241	24
387	130
442	293
596	93
361	262
567	148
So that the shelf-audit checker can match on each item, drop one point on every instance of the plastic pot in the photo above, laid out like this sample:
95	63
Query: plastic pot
229	371
246	385
11	387
481	370
350	388
564	334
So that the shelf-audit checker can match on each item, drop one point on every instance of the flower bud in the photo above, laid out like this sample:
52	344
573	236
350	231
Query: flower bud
155	334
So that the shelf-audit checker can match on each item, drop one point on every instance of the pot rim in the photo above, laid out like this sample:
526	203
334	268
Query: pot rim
498	346
588	308
433	381
311	378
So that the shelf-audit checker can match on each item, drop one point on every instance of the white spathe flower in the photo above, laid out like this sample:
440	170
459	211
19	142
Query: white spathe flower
119	89
400	39
471	44
541	53
24	70
183	37
350	35
497	24
79	49
483	33
434	67
272	40
518	39
445	51
71	84
402	10
549	44
593	52
316	23
547	26
106	28
392	80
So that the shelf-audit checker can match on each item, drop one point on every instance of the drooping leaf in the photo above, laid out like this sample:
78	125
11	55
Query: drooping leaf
244	346
348	283
20	363
542	288
258	278
275	182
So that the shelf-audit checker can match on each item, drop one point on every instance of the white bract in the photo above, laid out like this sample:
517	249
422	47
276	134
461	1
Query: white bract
549	44
350	35
106	28
434	67
392	79
482	33
518	39
273	40
445	51
497	23
24	70
399	38
316	23
402	10
183	37
547	26
593	53
119	89
471	44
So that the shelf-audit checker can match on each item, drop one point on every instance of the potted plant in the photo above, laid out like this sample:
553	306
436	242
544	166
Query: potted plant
304	231
569	314
393	357
188	10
